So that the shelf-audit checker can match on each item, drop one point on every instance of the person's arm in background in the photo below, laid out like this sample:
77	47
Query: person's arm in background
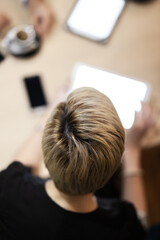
133	189
4	21
42	16
30	154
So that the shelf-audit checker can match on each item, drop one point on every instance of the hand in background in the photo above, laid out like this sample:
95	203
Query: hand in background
144	120
4	21
41	16
133	189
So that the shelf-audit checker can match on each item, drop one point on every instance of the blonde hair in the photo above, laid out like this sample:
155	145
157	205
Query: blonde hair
83	142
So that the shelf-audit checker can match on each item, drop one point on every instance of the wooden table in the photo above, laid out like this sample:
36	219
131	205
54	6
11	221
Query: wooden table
133	50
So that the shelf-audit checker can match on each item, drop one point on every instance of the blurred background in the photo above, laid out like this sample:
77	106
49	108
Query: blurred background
133	50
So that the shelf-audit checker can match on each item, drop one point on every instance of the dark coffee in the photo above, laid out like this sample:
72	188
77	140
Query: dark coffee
21	35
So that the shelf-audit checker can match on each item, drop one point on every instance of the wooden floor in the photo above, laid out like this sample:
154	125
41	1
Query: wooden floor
151	164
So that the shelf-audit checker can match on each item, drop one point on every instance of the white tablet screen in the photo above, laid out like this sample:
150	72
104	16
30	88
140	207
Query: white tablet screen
126	94
95	19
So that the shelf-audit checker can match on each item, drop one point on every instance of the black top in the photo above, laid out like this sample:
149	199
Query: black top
27	212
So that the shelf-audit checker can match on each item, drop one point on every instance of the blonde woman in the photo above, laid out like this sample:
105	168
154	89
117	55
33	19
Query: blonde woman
82	143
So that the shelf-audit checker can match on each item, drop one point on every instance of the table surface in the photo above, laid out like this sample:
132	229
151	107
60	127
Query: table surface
133	50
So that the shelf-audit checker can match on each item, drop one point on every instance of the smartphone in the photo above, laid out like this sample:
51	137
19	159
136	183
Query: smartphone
125	93
1	57
95	19
35	91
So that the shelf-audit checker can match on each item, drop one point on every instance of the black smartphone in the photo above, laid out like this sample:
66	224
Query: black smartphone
1	57
35	91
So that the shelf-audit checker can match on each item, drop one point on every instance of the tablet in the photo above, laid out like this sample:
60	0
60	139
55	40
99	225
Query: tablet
95	19
125	93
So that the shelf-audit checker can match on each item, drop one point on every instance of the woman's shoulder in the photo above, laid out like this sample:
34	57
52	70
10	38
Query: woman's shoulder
115	204
118	208
17	181
122	214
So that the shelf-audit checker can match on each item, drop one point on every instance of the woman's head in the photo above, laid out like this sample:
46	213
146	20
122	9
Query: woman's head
83	142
